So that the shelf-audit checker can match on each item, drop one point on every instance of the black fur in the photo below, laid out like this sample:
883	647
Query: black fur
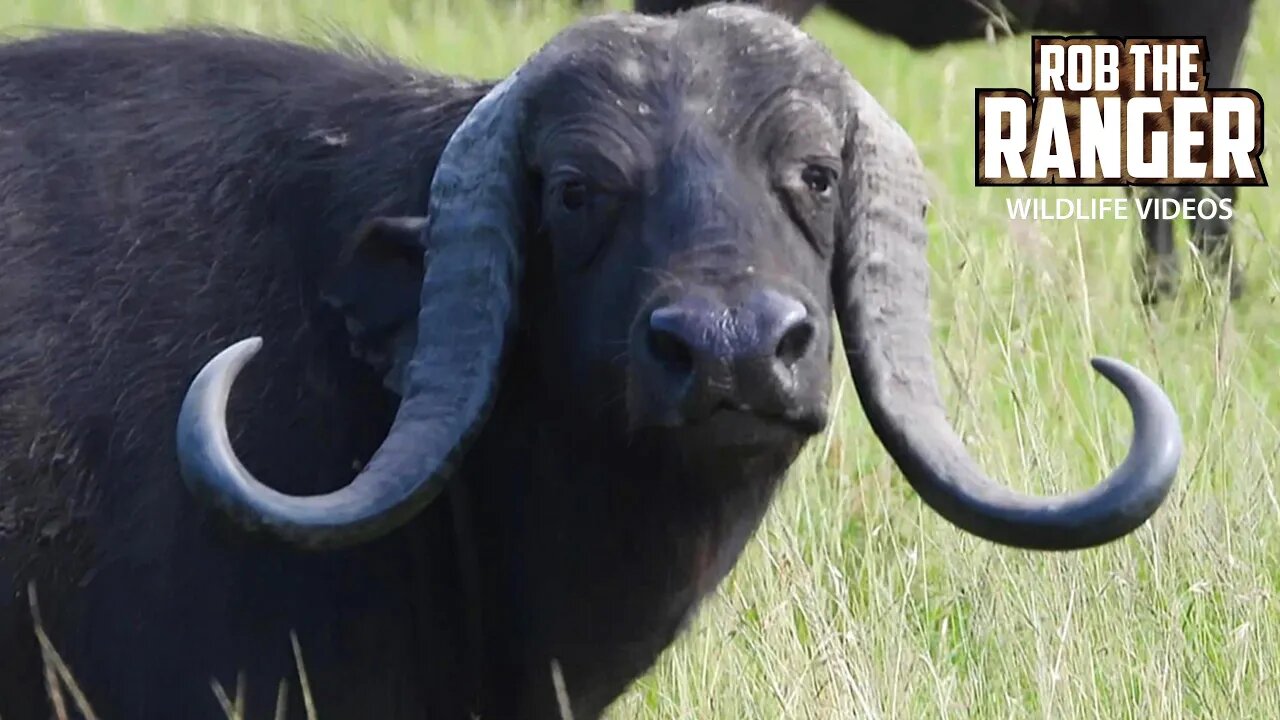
162	196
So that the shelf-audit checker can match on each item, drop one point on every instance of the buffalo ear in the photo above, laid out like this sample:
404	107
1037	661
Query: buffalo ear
376	284
391	238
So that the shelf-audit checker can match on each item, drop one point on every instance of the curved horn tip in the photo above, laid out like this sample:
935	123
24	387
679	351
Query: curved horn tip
243	350
1157	432
199	430
1115	370
1147	398
222	369
1137	387
217	375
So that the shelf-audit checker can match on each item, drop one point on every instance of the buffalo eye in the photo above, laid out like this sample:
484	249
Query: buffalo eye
573	195
579	216
818	178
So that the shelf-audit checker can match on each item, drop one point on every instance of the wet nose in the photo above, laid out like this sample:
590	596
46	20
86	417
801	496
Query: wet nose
700	336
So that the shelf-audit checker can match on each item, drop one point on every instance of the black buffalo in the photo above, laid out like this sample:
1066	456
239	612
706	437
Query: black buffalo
567	331
927	24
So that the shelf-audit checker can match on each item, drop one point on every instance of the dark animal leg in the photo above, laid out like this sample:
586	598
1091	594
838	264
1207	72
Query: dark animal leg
1225	26
1156	264
1212	238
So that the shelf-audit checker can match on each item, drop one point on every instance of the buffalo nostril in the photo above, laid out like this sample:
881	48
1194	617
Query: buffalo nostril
670	350
795	343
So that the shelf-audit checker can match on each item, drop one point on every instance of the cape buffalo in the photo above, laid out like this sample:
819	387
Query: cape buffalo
927	24
568	331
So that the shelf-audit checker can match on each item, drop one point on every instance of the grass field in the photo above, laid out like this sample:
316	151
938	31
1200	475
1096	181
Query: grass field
855	600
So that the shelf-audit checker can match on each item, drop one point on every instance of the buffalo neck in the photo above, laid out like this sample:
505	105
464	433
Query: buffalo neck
595	546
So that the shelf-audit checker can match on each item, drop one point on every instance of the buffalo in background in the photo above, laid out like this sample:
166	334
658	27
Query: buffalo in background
568	331
928	24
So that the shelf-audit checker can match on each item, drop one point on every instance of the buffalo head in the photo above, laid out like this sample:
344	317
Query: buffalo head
701	194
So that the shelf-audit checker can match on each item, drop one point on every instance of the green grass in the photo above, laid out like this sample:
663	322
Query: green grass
857	601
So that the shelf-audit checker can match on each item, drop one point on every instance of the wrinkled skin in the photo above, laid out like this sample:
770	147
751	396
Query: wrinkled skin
676	207
927	25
